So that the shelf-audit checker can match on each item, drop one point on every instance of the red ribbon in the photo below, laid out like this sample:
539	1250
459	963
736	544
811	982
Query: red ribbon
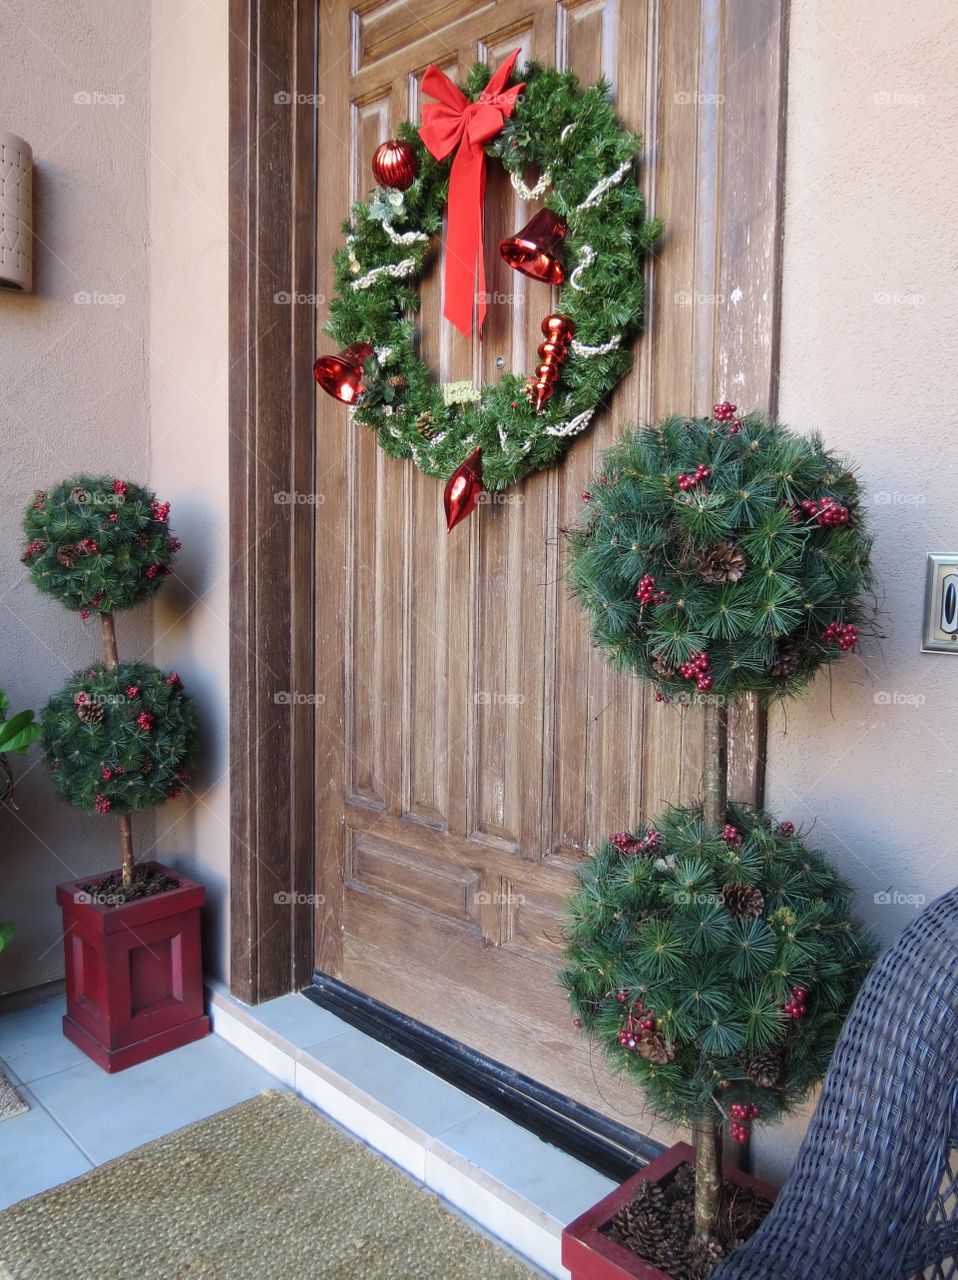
450	122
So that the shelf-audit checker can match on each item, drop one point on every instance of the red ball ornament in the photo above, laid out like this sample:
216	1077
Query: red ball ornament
463	489
395	165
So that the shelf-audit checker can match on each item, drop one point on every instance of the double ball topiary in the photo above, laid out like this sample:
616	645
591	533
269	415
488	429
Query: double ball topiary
715	968
98	544
722	555
122	739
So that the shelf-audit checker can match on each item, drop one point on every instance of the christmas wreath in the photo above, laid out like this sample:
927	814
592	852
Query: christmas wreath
592	233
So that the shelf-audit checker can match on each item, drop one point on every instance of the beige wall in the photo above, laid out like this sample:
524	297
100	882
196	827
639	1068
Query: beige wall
870	314
73	395
189	372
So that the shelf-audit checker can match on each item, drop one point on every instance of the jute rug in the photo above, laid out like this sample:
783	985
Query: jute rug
11	1104
267	1189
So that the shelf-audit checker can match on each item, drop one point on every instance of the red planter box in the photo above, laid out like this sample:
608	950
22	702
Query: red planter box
590	1255
134	973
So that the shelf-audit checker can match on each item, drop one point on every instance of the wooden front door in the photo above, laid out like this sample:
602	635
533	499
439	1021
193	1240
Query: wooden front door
470	745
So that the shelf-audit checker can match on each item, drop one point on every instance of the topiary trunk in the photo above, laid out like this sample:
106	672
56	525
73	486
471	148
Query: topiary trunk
708	1136
111	658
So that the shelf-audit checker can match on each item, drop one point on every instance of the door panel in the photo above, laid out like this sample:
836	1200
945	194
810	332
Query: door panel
471	745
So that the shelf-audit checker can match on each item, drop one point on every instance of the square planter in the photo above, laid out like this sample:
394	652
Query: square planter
134	973
590	1255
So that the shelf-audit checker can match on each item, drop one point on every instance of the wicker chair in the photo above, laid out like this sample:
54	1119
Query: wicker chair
873	1194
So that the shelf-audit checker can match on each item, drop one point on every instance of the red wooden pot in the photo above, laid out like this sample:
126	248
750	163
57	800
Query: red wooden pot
134	973
590	1255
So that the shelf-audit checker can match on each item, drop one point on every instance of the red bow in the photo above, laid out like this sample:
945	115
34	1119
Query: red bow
453	121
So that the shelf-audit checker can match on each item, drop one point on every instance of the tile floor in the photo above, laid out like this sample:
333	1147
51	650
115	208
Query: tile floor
80	1117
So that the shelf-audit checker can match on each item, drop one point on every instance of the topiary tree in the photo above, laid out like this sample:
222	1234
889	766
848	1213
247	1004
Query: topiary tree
713	955
119	737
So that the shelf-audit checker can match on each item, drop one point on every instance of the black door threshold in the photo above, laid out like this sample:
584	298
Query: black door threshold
610	1148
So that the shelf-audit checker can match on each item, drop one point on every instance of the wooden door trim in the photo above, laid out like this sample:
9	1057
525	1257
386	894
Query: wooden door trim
273	124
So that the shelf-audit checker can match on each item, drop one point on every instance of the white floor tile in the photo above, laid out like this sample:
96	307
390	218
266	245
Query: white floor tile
107	1115
35	1154
32	1043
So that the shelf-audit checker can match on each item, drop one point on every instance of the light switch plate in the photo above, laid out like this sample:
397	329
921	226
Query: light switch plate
940	633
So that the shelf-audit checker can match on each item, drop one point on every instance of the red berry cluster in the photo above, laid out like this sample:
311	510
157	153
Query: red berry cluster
132	690
87	545
731	835
587	496
32	548
41	500
742	1113
700	473
146	721
648	593
119	487
101	804
160	510
795	1007
173	678
826	512
725	412
786	828
627	843
841	633
639	1023
697	669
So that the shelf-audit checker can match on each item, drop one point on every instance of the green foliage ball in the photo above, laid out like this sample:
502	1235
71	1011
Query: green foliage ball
718	935
737	569
98	544
120	740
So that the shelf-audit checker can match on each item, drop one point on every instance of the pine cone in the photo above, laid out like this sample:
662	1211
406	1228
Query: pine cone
743	900
90	712
721	563
654	1048
67	556
763	1068
398	380
785	661
142	540
423	424
146	766
704	1253
663	669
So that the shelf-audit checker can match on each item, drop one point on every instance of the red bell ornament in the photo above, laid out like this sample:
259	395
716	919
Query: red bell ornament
535	249
343	376
395	165
463	489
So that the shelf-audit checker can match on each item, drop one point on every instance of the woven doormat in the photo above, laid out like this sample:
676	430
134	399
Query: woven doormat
11	1104
267	1189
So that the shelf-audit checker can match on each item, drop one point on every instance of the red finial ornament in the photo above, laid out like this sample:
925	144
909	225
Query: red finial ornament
463	489
553	353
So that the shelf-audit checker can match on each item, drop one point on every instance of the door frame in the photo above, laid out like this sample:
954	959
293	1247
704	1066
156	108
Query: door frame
273	131
273	124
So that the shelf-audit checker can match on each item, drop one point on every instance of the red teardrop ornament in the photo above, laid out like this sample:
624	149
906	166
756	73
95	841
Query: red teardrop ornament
463	489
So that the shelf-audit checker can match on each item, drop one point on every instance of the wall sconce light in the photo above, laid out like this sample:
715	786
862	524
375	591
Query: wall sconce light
16	213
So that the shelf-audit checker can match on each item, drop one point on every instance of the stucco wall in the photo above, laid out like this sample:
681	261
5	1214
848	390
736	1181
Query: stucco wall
73	395
870	310
189	373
